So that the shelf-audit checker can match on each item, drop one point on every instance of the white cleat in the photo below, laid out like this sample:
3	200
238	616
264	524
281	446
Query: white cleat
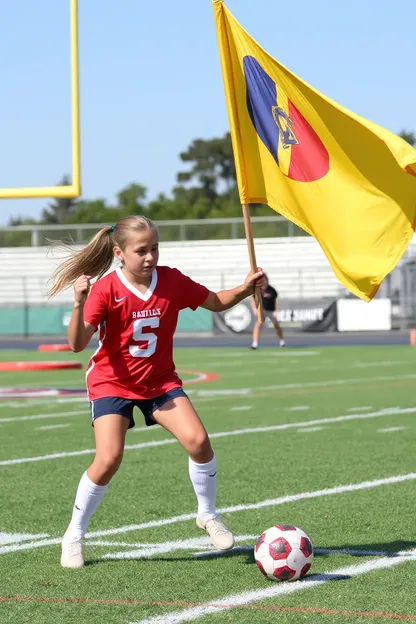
220	534
72	553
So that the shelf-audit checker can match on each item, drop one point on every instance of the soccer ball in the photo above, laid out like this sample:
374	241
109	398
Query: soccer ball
283	553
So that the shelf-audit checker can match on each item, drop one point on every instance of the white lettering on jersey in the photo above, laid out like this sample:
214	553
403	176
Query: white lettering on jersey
146	313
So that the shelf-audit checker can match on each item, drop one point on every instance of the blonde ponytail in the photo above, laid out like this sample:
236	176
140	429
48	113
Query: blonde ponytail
94	260
97	257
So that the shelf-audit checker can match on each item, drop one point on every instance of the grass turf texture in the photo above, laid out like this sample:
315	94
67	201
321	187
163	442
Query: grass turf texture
276	387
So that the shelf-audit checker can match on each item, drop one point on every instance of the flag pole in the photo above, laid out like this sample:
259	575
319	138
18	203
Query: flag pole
225	60
252	256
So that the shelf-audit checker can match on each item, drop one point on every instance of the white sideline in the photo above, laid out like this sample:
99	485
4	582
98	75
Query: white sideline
206	554
291	498
42	416
210	395
283	589
390	411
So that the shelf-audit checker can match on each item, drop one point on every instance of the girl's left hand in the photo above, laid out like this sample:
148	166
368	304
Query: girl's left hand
255	279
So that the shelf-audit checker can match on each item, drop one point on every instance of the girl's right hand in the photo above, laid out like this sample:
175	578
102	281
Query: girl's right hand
82	287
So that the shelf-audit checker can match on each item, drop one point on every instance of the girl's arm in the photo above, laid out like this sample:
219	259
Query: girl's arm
225	299
80	332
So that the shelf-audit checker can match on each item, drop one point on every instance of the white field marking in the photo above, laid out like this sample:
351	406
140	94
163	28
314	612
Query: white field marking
390	429
22	404
213	393
283	353
40	403
363	408
278	371
360	364
4	550
17	538
215	553
263	352
52	386
336	382
219	394
340	489
310	429
298	408
390	411
241	408
145	550
148	550
301	386
356	552
318	551
260	505
279	589
50	427
128	447
42	416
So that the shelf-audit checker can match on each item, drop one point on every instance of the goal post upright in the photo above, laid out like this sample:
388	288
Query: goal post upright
73	190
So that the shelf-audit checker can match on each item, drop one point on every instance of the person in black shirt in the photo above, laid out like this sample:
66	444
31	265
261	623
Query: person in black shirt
269	298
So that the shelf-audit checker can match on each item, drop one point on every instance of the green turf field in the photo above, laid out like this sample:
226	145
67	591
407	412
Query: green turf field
321	438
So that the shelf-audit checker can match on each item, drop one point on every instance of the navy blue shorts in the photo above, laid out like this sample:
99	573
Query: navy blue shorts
124	407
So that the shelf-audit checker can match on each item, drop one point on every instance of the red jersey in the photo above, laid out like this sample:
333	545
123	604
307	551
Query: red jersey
134	359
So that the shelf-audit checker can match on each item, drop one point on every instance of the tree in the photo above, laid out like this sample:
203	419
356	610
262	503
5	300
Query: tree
130	200
212	168
60	208
89	212
410	137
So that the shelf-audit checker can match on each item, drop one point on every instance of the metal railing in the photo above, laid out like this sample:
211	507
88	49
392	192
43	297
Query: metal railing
298	283
169	230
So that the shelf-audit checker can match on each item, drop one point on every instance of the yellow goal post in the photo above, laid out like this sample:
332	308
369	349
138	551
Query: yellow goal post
74	190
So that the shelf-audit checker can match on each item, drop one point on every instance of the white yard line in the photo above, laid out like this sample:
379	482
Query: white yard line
291	498
390	429
279	589
38	402
336	382
363	364
17	538
220	392
206	554
303	386
144	551
298	408
263	352
363	408
4	550
241	408
393	411
310	429
42	416
209	395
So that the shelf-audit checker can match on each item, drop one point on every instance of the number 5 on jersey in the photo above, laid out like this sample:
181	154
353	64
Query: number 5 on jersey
148	337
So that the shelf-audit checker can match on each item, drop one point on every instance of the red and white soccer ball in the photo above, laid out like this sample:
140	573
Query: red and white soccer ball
284	553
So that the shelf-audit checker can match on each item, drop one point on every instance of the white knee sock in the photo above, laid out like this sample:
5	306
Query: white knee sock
204	481
86	500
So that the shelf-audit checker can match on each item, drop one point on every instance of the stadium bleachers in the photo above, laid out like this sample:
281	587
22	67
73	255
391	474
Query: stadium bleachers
297	267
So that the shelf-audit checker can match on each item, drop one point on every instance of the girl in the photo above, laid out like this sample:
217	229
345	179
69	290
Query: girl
136	308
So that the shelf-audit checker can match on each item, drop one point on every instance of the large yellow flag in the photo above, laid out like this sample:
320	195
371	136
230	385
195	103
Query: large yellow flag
343	179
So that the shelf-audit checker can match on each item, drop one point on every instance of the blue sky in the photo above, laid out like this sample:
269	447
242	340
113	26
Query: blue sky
151	81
